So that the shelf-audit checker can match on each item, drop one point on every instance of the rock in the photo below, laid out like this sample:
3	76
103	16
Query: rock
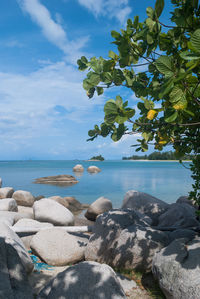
58	180
85	280
32	223
126	283
185	199
60	200
98	207
177	269
179	215
123	239
23	198
145	204
8	204
12	239
0	182
27	241
13	279
182	233
93	169
6	192
78	168
39	197
8	220
26	210
14	216
74	204
47	210
57	247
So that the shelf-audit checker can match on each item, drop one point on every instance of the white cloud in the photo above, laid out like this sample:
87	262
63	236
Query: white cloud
119	9
53	30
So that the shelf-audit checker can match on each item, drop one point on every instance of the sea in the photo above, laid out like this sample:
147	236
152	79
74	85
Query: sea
164	180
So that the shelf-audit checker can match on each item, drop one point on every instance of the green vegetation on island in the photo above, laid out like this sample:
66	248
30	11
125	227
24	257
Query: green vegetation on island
158	156
99	158
167	86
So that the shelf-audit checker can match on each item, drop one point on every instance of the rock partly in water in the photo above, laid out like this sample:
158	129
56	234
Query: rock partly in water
6	192
177	269
58	180
57	247
23	198
78	168
93	169
145	204
85	280
98	207
13	278
12	239
8	204
47	210
179	215
123	239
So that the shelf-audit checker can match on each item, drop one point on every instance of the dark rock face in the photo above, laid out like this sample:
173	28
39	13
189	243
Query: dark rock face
85	280
177	269
123	239
13	279
59	180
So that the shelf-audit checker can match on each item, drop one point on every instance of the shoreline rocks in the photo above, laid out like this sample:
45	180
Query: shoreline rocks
99	206
23	198
93	169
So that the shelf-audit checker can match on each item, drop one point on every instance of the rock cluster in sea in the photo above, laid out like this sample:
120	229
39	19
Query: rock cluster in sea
145	234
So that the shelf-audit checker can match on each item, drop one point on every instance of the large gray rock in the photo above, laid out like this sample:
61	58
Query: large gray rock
185	199
78	168
177	269
13	278
47	210
86	280
98	207
93	169
123	239
12	239
57	247
23	198
182	233
144	203
6	192
8	204
179	215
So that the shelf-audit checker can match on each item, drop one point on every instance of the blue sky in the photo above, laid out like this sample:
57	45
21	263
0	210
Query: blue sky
45	113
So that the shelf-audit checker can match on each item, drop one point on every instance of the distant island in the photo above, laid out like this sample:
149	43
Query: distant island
97	158
158	156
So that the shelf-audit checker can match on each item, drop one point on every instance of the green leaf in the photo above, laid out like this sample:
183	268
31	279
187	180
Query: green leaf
110	118
115	34
195	40
150	39
110	107
91	133
118	77
150	23
159	7
164	65
150	12
136	21
104	130
86	84
99	90
186	55
112	55
119	101
171	115
176	94
94	79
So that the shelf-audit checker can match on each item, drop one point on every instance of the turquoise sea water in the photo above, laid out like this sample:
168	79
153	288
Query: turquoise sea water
164	180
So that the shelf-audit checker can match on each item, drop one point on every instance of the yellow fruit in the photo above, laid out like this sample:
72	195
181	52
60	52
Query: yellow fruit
151	114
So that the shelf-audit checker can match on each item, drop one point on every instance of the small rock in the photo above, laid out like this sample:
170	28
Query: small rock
145	204
98	207
78	168
47	210
58	180
85	280
0	182
8	204
57	247
6	192
23	198
93	169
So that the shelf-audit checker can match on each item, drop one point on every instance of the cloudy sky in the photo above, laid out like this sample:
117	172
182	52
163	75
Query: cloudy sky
44	111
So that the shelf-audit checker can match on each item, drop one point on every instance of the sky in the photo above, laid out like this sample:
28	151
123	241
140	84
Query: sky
44	110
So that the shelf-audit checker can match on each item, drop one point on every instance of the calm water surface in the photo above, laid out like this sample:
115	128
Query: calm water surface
164	180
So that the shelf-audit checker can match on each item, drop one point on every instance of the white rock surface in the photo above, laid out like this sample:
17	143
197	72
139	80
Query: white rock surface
47	210
23	198
12	239
57	247
32	223
13	216
93	169
6	192
78	168
98	207
86	280
8	204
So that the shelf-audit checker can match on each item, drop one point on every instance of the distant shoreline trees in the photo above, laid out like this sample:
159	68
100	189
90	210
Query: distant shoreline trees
158	156
99	158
